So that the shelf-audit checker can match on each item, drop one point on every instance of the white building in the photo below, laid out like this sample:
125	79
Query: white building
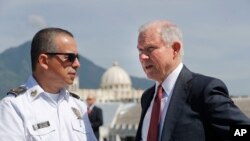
115	86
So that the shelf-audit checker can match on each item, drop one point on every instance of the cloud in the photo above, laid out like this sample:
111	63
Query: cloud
37	21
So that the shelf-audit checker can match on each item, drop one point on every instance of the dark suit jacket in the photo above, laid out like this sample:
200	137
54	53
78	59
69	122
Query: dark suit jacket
199	110
96	119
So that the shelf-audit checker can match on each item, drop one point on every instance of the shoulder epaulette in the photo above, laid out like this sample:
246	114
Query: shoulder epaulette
17	91
74	95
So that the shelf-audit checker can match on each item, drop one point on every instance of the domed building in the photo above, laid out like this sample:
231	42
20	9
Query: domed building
115	86
116	78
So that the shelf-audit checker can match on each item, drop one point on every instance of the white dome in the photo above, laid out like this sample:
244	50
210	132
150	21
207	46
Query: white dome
116	78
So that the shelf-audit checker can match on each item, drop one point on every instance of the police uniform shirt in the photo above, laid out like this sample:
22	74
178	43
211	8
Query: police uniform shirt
35	116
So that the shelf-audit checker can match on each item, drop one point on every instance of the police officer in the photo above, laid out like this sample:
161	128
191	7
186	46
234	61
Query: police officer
43	109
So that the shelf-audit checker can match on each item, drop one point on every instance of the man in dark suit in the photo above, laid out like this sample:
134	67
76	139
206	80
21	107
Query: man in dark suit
193	107
95	115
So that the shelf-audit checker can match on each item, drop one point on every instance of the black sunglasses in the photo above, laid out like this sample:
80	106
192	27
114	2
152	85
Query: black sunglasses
70	56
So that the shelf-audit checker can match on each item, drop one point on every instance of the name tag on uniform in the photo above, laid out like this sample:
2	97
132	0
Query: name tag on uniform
41	125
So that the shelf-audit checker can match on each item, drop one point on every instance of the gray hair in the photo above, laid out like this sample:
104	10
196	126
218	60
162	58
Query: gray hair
169	32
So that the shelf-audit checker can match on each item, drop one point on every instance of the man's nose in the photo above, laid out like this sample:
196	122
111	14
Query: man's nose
76	63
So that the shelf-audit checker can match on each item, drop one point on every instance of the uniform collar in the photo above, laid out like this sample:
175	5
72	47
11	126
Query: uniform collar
34	90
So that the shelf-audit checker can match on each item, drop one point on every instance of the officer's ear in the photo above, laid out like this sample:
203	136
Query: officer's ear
43	61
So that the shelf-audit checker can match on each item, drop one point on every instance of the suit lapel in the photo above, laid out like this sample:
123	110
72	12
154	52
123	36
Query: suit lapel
147	99
147	96
177	101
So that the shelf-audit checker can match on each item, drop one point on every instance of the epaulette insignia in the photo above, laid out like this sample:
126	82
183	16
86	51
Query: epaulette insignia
17	91
75	95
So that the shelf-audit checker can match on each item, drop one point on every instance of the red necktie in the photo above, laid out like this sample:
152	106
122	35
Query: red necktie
155	117
88	110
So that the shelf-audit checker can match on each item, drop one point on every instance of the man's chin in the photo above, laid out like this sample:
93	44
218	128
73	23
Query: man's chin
150	76
70	82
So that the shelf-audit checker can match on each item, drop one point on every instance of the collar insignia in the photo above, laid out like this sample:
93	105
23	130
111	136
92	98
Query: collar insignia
33	93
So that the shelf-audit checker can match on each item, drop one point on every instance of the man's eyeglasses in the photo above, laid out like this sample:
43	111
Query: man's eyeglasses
70	56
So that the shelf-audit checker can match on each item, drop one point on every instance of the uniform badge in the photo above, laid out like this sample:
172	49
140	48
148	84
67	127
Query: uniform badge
76	112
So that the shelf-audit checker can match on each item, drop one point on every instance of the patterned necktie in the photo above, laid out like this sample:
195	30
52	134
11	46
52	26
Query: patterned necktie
155	117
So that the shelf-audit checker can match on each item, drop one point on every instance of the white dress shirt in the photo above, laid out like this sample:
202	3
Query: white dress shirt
35	116
168	85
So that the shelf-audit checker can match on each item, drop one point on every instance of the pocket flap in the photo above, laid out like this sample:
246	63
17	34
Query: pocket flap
78	125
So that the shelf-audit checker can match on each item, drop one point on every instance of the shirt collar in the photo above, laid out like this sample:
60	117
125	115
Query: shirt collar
91	106
34	90
169	82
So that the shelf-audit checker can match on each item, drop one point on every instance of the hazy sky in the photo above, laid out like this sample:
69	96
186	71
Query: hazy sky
216	32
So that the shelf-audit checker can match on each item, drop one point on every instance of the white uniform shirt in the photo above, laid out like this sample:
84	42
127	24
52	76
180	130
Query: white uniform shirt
35	116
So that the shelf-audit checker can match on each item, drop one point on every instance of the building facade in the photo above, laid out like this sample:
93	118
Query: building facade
115	86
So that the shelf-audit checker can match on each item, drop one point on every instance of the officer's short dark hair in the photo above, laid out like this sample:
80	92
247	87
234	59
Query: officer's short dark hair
43	42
